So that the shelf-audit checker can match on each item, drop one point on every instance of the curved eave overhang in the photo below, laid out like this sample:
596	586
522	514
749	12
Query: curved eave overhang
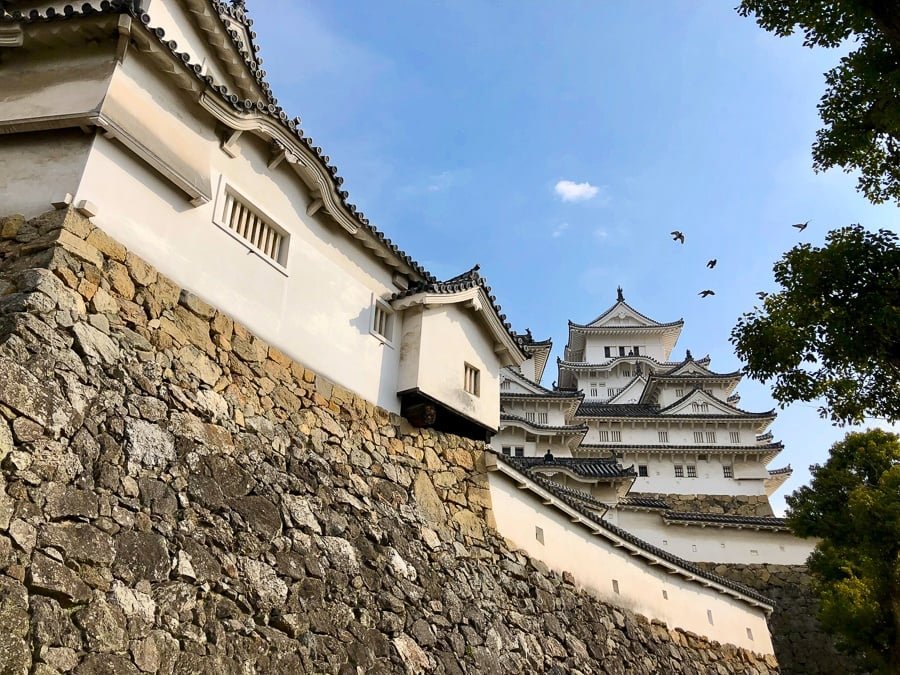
776	479
654	383
262	118
540	429
619	538
476	300
775	525
765	453
757	422
575	366
550	470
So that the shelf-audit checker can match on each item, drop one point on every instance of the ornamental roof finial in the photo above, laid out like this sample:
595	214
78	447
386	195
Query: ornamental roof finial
688	355
620	296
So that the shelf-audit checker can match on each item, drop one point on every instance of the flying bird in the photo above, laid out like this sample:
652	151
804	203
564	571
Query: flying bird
762	295
800	226
712	263
677	236
706	293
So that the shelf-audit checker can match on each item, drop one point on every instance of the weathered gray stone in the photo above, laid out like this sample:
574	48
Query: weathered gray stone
103	626
148	445
106	664
141	555
94	344
22	391
57	580
414	659
79	541
300	513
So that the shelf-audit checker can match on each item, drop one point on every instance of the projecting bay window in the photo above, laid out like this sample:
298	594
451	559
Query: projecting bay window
257	231
472	380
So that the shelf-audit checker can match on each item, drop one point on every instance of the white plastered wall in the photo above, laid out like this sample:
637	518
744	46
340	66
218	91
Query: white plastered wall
715	544
710	478
595	564
318	309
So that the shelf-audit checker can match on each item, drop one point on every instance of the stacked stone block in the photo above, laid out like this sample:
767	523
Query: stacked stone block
177	496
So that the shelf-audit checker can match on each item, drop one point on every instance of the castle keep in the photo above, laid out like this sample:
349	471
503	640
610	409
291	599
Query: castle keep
206	467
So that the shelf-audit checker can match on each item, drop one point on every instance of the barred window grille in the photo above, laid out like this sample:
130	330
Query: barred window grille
679	393
383	322
615	436
691	471
604	436
698	437
679	471
520	451
529	416
735	436
643	471
728	471
542	418
710	436
472	380
253	227
663	436
700	407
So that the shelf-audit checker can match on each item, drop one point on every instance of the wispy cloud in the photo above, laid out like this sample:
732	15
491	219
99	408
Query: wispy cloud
600	233
437	182
441	181
559	229
570	191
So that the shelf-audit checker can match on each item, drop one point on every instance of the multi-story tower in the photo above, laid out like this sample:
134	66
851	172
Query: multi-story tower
677	422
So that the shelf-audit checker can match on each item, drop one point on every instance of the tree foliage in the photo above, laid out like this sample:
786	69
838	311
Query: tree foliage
861	104
853	505
833	330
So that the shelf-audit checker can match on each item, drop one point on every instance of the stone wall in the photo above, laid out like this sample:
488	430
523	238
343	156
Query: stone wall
801	646
176	496
737	505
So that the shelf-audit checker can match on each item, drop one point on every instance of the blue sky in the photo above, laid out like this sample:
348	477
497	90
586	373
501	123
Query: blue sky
454	122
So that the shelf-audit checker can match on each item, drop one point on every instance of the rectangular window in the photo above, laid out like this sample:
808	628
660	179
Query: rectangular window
637	350
506	450
520	451
615	586
539	534
679	471
703	457
253	227
604	436
529	416
700	407
626	372
593	389
749	634
710	436
383	321
613	391
504	386
709	616
642	470
607	352
542	418
679	393
735	436
698	437
472	380
621	351
663	436
615	436
691	471
728	471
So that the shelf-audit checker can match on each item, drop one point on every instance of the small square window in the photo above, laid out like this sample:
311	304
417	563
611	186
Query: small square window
642	470
506	450
604	435
383	322
710	436
698	437
520	451
679	393
679	471
691	471
626	372
663	436
637	350
505	385
616	436
472	381
694	547
735	436
728	471
607	352
621	351
542	418
539	534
